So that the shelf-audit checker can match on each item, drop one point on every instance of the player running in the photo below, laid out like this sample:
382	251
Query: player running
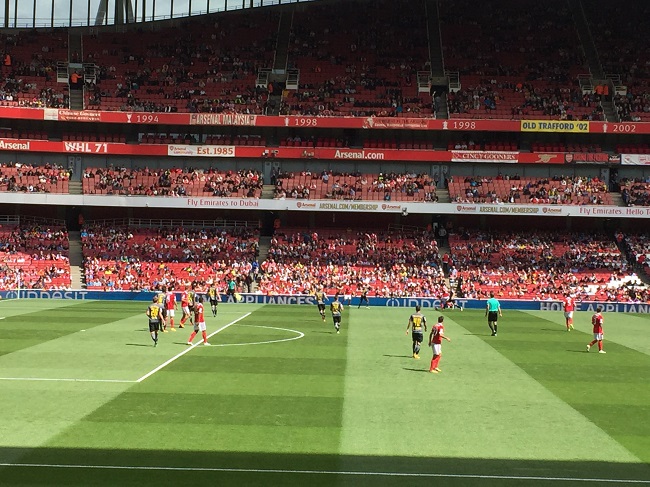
199	322
336	308
321	299
569	305
597	323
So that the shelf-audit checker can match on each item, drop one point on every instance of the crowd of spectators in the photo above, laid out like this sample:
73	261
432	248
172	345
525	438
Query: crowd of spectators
132	258
352	70
635	192
637	249
27	178
560	190
390	186
246	183
29	69
542	265
34	256
205	65
384	263
634	106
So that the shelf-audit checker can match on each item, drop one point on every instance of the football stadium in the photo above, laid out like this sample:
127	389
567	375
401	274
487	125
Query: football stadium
326	243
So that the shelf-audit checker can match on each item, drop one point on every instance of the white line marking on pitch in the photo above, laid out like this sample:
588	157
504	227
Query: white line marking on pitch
329	472
117	381
298	337
179	355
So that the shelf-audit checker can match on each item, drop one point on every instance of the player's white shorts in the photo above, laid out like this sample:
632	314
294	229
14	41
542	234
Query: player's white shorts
437	348
568	314
347	297
200	326
170	313
598	336
186	310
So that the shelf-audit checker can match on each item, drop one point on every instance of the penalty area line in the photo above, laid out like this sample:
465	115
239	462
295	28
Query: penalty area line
179	355
54	379
328	472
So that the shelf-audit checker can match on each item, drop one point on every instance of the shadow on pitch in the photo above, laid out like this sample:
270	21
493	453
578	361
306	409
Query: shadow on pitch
416	370
397	356
38	466
137	345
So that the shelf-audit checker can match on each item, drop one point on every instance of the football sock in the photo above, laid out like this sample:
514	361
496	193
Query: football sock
600	344
495	328
416	348
192	336
491	327
593	342
205	336
433	365
435	361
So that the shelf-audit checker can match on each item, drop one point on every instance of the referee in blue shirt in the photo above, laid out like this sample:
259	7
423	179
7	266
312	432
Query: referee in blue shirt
493	311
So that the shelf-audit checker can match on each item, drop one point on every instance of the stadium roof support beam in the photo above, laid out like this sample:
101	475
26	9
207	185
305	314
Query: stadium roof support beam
123	12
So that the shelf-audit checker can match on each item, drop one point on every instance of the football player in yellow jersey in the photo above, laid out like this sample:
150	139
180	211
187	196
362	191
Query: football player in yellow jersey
321	299
336	308
156	319
214	297
160	299
417	322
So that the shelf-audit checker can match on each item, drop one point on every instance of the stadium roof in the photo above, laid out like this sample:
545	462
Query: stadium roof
65	13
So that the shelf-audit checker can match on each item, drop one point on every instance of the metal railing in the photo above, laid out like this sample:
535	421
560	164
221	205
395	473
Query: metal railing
161	223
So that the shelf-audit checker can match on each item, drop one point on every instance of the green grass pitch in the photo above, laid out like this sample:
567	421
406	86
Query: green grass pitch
281	400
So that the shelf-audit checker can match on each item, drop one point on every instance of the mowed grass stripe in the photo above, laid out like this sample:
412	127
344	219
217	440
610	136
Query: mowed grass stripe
29	322
240	421
481	405
611	390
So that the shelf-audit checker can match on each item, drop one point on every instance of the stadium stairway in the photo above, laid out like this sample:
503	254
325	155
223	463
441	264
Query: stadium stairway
268	191
586	38
74	187
76	260
443	196
265	244
617	199
435	44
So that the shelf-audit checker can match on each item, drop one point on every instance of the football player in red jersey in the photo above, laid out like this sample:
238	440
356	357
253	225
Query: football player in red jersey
185	306
569	305
597	323
435	342
199	322
170	307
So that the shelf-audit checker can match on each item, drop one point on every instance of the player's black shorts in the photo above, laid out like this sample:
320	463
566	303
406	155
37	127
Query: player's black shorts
417	336
321	307
493	316
336	319
154	326
214	302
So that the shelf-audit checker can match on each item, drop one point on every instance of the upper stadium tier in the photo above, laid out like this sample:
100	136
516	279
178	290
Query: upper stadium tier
445	59
76	13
